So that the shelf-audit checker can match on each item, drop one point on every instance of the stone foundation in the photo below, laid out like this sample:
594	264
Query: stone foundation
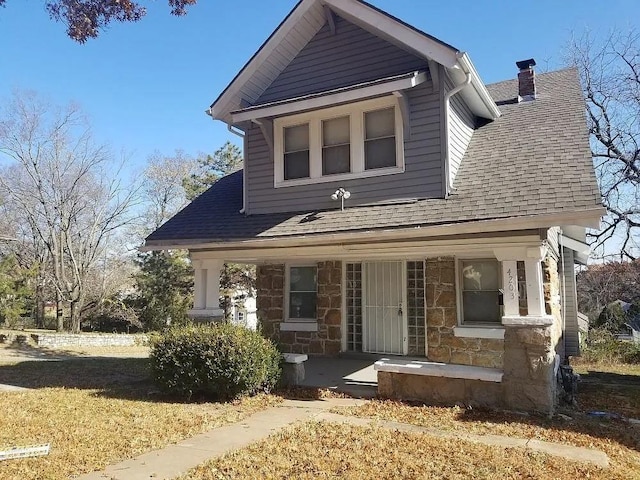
270	306
440	390
442	317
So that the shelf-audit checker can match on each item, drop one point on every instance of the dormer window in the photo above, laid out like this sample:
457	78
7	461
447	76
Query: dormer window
296	152
357	140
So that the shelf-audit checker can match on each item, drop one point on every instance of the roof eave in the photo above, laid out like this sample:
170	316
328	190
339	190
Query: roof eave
589	218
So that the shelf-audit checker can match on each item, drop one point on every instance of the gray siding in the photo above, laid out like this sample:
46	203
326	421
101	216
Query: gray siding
571	333
461	126
422	177
329	61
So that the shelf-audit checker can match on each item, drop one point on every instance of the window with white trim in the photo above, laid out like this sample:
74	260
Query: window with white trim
361	139
302	292
480	294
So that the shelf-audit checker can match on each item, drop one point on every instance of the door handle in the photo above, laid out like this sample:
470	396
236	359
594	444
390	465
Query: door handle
400	309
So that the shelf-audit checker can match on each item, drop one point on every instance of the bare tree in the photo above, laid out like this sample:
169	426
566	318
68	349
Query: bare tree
610	73
162	190
65	188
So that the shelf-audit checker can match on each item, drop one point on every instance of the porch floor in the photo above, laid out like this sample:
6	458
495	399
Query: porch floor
352	374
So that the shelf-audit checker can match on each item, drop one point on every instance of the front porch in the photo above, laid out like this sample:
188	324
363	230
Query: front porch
476	322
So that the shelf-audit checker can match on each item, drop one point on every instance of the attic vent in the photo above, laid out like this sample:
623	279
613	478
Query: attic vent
526	80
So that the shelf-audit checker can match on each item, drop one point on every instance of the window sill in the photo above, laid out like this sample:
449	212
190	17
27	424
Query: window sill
376	172
298	326
435	369
479	332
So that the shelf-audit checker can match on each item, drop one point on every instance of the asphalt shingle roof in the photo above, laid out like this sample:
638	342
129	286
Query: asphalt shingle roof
533	160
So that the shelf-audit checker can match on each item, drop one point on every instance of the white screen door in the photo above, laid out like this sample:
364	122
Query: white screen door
383	307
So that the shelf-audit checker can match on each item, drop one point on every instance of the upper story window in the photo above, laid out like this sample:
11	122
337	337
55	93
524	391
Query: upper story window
362	139
480	291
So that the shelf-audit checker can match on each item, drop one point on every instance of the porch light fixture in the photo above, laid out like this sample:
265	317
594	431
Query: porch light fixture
341	194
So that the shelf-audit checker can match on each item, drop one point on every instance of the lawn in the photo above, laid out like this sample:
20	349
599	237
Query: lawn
95	412
328	450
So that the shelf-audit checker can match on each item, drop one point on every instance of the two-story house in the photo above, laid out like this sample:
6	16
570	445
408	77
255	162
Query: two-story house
395	204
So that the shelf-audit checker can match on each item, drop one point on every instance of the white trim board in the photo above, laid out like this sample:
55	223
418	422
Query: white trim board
435	369
343	95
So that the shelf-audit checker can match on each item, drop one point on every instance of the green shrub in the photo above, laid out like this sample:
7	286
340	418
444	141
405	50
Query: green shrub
603	347
221	361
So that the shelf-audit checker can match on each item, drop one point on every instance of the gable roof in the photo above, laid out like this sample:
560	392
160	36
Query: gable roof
532	162
307	18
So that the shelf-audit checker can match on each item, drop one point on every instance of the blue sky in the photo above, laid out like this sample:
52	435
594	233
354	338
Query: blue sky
146	86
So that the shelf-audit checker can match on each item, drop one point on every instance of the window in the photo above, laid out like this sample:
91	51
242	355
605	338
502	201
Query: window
336	149
480	291
296	152
350	141
240	316
379	139
302	293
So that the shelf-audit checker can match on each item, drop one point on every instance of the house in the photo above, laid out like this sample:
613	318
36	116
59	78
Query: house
244	312
396	205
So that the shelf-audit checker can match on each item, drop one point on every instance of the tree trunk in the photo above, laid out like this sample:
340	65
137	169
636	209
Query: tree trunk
59	314
75	317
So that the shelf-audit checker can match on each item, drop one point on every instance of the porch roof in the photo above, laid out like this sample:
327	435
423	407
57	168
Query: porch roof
532	161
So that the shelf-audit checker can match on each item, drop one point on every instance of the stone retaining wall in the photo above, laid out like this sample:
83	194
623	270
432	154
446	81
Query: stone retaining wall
55	340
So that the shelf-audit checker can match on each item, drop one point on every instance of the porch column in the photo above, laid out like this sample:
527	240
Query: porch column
206	302
529	350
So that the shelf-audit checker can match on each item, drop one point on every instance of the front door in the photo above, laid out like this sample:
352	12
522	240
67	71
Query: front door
383	300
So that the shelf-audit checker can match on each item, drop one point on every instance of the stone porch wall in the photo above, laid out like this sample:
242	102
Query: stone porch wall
270	307
440	390
442	317
529	373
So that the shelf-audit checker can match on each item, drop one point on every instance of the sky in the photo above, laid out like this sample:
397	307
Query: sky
146	85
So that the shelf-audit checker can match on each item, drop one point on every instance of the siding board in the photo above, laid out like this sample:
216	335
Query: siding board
329	61
571	332
461	126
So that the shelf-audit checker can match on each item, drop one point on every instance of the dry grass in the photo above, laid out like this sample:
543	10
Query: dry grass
95	412
616	438
327	450
611	388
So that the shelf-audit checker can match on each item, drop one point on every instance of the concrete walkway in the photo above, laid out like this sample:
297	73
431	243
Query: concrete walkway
175	460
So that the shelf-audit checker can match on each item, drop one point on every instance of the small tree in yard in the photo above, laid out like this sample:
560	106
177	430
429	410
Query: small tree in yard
165	289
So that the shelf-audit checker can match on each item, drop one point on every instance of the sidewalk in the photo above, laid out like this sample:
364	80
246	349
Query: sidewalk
175	460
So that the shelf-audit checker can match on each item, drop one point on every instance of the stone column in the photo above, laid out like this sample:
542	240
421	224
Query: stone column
529	348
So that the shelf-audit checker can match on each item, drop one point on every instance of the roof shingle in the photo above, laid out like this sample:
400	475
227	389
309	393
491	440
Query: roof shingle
533	160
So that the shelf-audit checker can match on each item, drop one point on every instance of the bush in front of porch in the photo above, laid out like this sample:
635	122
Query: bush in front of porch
220	361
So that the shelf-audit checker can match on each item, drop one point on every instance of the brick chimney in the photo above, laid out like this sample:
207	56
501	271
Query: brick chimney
526	80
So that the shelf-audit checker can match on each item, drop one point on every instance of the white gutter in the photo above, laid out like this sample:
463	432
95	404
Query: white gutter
465	63
447	108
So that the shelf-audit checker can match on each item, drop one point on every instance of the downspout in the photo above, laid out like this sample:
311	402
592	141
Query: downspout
564	295
447	108
240	134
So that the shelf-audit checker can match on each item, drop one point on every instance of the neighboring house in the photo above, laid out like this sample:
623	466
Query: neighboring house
462	203
243	311
630	321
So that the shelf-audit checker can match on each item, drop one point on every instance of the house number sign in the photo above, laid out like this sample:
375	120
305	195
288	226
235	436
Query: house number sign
511	284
